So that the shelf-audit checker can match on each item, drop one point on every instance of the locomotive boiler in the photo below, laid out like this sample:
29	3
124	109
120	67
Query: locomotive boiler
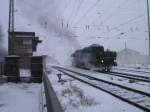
94	57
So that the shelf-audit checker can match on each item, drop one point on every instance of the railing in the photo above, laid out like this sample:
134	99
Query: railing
52	103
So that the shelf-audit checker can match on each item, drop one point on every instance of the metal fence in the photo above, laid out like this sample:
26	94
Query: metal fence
52	103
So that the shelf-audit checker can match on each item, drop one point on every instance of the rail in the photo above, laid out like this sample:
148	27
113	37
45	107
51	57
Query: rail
139	71
130	76
52	102
134	97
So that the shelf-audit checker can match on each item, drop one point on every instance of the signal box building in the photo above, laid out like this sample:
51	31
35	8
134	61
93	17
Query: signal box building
23	44
20	60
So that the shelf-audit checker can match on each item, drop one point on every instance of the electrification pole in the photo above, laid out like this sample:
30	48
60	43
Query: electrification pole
148	24
11	28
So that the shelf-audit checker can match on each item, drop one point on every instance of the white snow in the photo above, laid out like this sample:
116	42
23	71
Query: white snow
103	102
19	97
133	70
117	80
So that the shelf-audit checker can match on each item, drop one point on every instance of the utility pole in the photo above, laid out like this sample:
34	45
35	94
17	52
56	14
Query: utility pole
62	24
11	28
148	24
45	24
125	45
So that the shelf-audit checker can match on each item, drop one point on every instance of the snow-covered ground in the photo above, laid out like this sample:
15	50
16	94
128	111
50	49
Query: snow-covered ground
134	72
79	97
132	69
135	66
20	97
141	86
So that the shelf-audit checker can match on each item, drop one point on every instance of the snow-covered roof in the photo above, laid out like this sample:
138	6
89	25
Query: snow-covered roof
14	56
128	51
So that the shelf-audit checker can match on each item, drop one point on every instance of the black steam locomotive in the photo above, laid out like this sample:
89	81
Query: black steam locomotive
94	57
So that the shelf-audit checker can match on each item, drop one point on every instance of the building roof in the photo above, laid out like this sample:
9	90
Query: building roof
23	33
128	51
12	56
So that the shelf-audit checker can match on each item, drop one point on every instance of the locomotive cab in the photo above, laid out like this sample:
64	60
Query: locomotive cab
94	57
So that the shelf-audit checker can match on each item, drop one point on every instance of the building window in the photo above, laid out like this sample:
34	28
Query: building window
24	43
27	42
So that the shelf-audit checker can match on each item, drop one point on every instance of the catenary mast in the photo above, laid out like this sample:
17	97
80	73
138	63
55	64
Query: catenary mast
148	24
11	28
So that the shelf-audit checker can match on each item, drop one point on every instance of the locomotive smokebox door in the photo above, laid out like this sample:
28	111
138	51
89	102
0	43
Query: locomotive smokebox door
38	66
12	68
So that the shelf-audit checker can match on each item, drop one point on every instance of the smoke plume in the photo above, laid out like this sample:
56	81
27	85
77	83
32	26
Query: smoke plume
60	41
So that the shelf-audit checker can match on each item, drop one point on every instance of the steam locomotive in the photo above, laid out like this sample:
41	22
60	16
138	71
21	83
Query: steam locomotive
94	57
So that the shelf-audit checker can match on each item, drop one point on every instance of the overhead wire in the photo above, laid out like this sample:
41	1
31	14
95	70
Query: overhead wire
84	15
122	33
112	14
120	25
127	22
123	3
88	11
78	8
71	11
124	23
66	7
114	11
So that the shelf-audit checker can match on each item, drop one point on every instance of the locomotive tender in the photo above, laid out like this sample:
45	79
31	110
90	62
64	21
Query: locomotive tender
94	57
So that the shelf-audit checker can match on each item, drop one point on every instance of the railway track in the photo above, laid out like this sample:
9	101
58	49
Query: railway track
130	76
138	71
135	97
136	68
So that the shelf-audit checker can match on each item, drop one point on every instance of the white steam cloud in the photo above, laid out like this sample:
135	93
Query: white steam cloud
59	40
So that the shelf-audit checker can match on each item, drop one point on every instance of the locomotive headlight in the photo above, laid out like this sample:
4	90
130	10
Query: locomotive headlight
102	61
115	60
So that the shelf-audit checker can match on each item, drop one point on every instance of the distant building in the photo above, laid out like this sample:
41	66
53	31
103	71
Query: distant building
129	56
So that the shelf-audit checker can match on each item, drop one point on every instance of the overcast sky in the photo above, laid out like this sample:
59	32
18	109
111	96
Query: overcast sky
111	22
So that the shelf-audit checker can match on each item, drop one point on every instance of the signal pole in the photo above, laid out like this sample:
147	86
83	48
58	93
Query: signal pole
148	17
11	28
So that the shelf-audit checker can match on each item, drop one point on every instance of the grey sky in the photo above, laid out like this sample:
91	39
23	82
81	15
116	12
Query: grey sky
112	22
